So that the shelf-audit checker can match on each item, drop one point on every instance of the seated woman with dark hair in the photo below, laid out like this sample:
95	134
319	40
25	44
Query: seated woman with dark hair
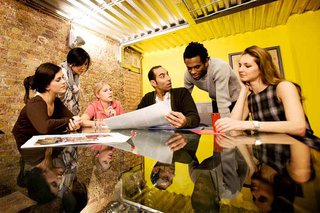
43	114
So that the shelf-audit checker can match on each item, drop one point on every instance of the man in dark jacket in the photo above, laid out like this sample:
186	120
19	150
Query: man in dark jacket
184	113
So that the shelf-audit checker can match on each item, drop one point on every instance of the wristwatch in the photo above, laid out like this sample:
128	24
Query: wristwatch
256	125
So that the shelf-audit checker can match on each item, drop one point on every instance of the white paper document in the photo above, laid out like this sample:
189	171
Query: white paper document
148	143
139	119
40	141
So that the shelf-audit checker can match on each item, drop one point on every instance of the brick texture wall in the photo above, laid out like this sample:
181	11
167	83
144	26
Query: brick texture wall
28	38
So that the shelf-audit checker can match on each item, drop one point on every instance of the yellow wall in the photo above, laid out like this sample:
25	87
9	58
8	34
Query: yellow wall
299	41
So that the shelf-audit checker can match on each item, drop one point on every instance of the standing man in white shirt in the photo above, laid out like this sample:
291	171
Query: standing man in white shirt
212	75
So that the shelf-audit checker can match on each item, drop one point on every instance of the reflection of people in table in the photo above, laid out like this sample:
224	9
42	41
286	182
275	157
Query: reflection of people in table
294	156
43	180
276	170
39	174
177	141
184	113
281	170
220	176
184	146
104	156
272	191
162	175
53	178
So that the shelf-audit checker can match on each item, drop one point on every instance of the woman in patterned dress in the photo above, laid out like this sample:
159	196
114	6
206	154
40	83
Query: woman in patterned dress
273	103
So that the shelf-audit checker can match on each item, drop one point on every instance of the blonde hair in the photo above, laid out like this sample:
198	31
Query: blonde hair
98	86
268	70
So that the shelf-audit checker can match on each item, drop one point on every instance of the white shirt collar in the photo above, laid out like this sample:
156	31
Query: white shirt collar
166	99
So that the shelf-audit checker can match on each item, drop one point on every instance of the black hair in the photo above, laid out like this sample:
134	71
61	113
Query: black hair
196	49
76	199
78	56
151	75
284	188
285	191
38	188
27	83
155	175
44	74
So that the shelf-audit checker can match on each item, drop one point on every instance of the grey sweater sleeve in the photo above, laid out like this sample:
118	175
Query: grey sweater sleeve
220	77
187	82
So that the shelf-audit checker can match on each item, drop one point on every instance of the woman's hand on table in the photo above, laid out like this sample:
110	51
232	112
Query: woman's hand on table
224	125
75	123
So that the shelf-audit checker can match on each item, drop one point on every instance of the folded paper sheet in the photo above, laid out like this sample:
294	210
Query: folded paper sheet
139	119
148	143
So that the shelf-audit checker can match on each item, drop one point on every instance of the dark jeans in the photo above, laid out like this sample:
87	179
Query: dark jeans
215	106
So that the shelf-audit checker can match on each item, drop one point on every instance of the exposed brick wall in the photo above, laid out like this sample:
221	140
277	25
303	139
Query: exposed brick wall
28	38
132	84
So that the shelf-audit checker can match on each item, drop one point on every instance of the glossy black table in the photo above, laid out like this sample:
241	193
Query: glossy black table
185	171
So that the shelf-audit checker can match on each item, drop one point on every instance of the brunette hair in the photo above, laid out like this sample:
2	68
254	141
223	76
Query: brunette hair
76	199
37	186
195	49
44	74
268	70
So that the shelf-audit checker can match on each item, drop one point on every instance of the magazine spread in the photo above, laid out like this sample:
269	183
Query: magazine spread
40	141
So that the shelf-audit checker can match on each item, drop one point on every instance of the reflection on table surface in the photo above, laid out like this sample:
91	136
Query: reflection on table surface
188	172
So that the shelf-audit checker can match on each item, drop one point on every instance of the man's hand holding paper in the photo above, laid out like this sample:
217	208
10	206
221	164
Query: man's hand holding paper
176	119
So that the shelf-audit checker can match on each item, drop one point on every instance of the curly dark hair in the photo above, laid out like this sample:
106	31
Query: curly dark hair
195	49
